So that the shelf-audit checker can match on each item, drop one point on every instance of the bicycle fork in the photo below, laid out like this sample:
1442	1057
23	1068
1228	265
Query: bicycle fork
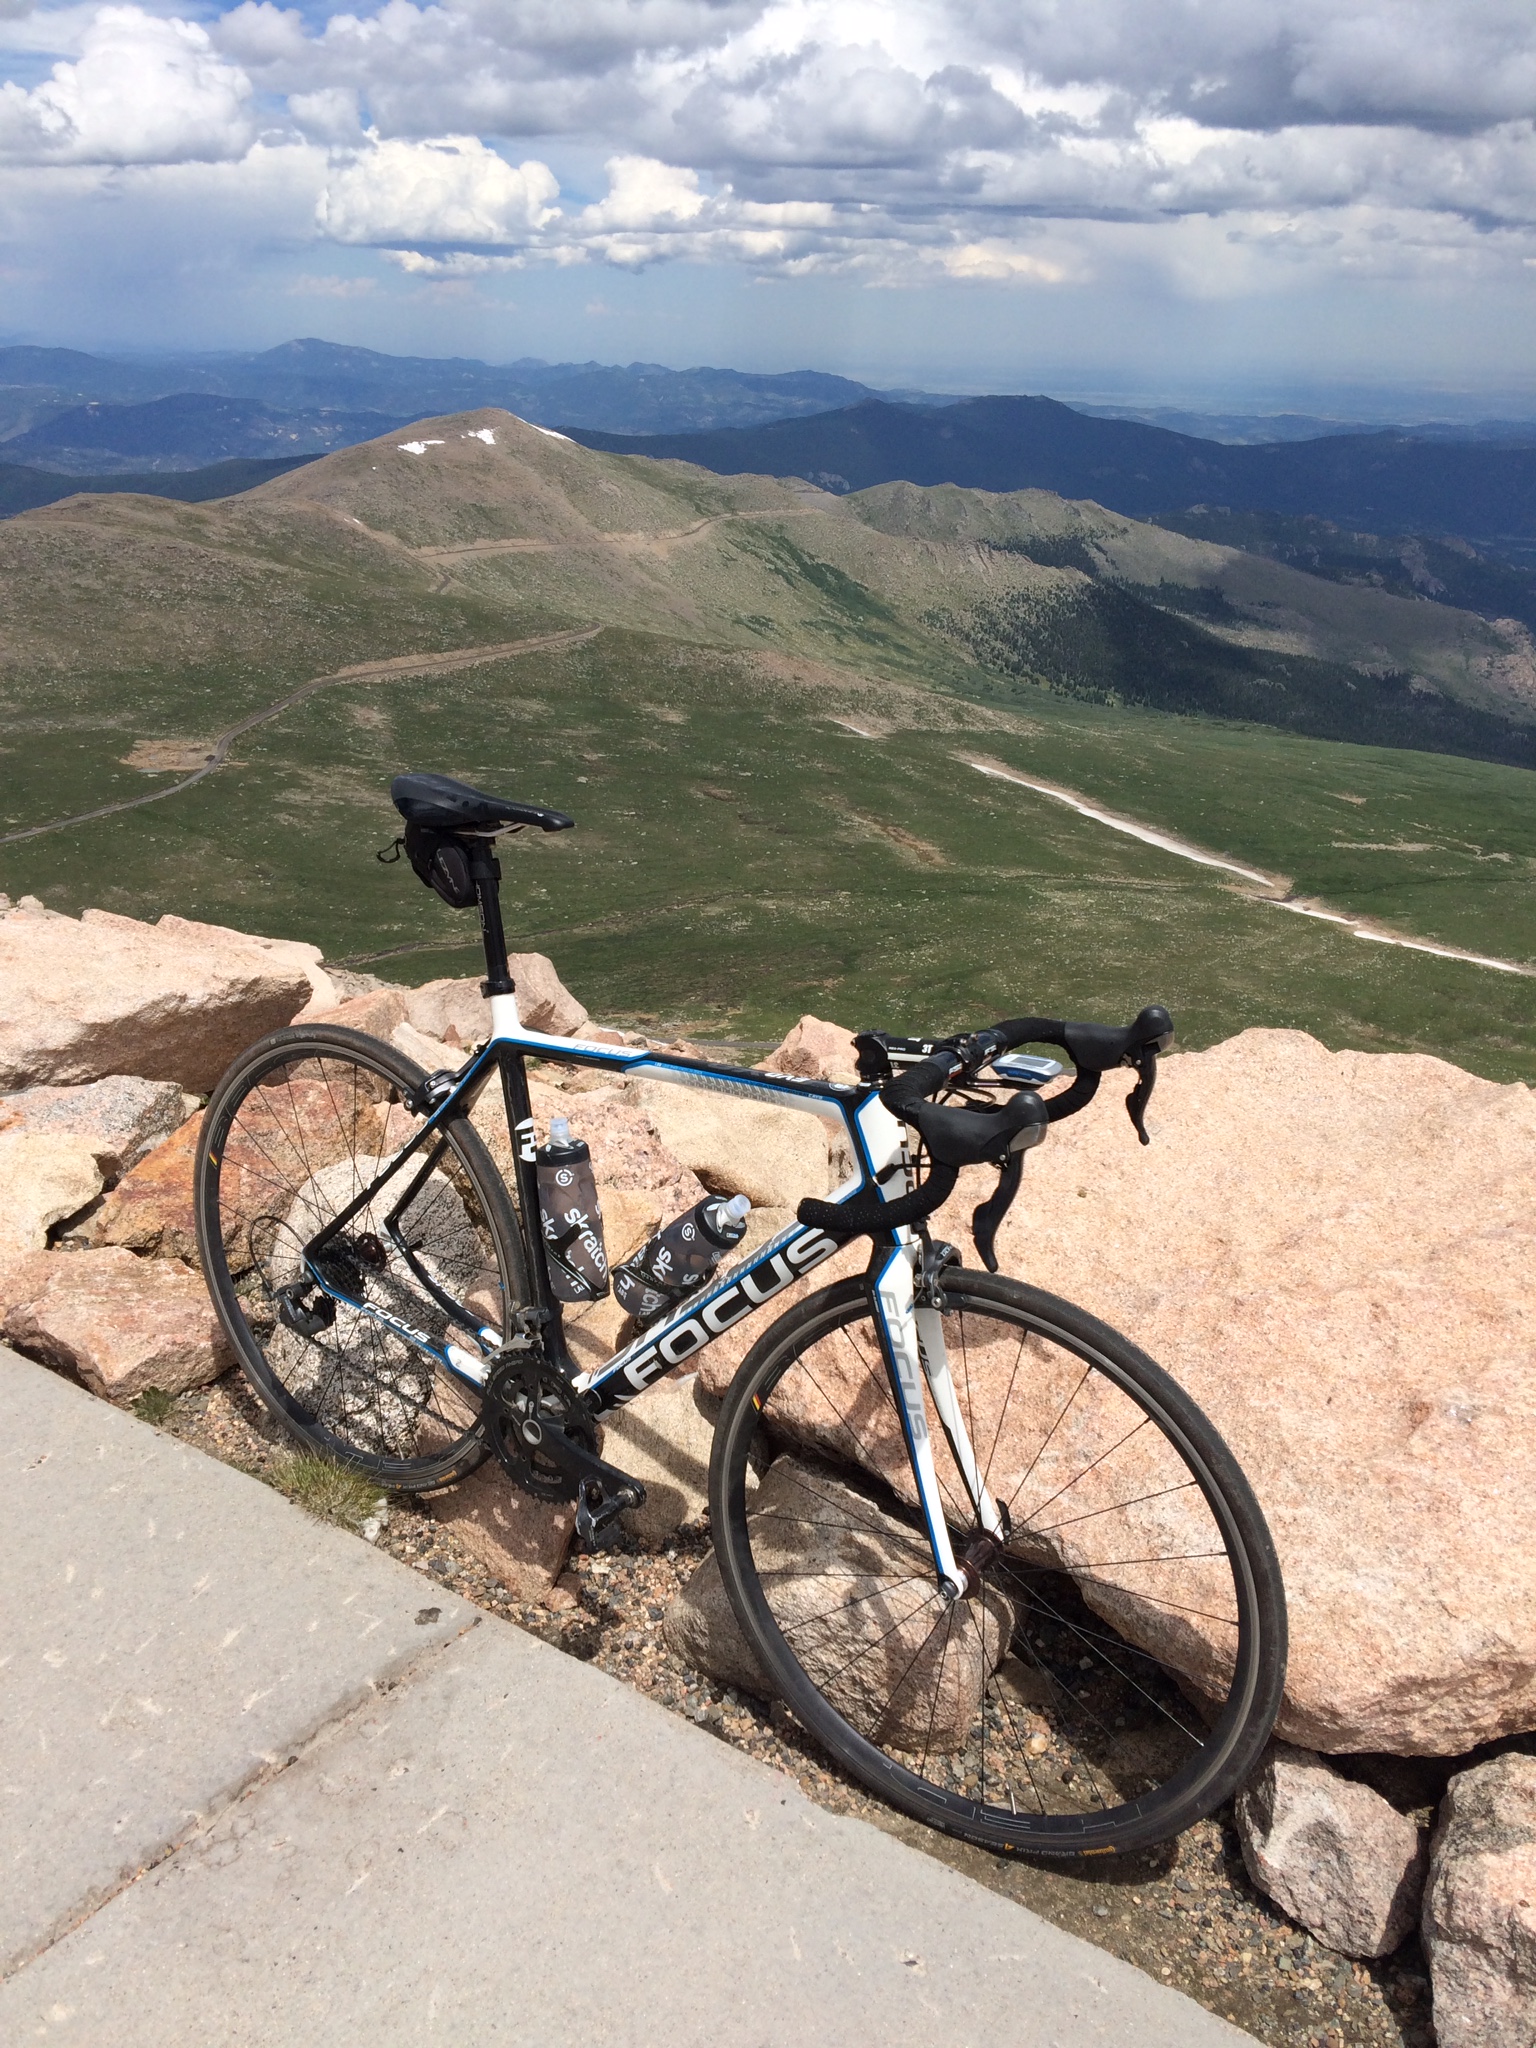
912	1337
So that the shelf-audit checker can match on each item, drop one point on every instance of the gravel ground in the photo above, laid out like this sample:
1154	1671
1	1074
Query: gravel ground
1186	1914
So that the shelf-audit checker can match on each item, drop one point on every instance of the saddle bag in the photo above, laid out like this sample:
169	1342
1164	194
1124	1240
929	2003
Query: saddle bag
442	862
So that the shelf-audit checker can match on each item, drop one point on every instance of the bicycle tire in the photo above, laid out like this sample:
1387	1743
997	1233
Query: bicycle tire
300	1123
811	1484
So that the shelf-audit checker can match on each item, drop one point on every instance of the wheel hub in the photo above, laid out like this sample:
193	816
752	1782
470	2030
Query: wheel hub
976	1561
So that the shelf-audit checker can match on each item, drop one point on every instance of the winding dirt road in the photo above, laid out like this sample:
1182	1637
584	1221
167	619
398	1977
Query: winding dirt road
367	671
1272	889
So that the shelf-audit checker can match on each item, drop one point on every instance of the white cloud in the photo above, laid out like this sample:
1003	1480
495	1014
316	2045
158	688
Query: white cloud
457	263
329	115
450	190
143	90
644	193
1024	145
1264	63
998	261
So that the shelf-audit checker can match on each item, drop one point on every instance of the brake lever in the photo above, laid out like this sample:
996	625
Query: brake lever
1136	1102
986	1220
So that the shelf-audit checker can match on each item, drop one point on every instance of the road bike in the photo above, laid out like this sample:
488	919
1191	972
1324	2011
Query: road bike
988	1553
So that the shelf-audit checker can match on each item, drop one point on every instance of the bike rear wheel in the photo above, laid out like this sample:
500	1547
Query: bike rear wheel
298	1127
1115	1670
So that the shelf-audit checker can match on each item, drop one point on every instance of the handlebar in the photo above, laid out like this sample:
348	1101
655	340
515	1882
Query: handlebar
970	1134
1093	1048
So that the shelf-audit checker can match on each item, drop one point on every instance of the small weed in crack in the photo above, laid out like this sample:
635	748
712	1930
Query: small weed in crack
328	1491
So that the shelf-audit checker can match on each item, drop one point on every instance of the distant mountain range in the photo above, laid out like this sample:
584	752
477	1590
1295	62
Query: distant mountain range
1387	482
200	427
1249	427
25	490
305	393
185	432
303	379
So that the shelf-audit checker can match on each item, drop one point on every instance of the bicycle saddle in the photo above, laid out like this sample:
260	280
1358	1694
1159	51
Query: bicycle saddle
443	805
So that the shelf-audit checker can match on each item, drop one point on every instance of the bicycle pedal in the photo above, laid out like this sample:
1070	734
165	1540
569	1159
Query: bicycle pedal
598	1510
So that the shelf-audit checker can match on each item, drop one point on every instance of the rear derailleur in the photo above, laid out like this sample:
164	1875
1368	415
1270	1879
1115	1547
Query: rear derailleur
545	1435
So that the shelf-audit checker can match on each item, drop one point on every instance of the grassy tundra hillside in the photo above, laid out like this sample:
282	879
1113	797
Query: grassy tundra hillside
763	704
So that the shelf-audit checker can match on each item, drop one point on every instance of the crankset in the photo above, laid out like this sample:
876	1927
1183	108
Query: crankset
546	1437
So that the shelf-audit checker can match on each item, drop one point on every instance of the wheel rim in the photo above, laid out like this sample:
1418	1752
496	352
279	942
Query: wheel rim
1054	1705
309	1132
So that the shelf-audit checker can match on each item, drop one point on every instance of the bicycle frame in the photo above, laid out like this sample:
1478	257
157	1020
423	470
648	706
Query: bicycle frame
911	1337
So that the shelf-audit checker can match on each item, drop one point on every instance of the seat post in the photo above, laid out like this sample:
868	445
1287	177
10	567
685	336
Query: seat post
485	873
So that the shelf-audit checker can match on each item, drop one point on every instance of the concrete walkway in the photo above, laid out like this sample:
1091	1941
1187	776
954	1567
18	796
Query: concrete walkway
264	1785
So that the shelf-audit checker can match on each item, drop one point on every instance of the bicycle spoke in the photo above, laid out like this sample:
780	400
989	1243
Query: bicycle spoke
314	1131
1119	1506
1017	1706
1078	1478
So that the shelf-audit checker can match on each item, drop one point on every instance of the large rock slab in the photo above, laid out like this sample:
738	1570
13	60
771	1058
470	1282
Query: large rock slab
1331	1853
121	1117
840	1573
376	1011
774	1156
453	1011
122	1323
44	1179
664	1440
1479	1924
814	1050
543	1001
1335	1253
152	1210
296	953
108	995
523	1541
436	1055
284	1133
456	1011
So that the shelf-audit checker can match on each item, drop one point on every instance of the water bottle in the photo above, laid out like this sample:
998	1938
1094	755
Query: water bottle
571	1217
680	1257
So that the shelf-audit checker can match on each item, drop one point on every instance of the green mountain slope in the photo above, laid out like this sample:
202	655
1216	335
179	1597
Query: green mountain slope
934	581
1450	572
767	740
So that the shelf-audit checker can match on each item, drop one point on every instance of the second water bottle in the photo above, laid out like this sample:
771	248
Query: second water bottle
680	1257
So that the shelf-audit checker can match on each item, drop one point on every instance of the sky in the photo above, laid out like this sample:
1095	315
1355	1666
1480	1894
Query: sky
1276	202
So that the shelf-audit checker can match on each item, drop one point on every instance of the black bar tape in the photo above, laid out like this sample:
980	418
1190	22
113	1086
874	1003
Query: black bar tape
868	1216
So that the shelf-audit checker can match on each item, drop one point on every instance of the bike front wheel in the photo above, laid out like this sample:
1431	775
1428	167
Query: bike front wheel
1116	1665
300	1126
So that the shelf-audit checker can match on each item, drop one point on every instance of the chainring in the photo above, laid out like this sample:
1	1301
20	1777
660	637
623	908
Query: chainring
520	1391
